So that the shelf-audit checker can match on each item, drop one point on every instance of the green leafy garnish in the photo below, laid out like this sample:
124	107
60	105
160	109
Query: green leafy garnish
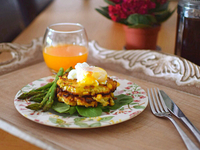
89	111
72	110
63	108
120	100
60	107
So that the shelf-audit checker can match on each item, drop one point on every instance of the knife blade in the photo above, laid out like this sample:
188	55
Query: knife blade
174	109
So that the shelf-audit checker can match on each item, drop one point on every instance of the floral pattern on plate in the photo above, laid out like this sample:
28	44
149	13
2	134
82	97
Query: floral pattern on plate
51	118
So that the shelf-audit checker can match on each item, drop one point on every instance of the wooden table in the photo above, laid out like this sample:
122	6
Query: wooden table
142	132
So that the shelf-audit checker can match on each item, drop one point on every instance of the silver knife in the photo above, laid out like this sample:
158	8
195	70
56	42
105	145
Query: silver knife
173	108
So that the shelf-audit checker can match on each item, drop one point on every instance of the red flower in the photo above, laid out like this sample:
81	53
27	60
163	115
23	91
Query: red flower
137	6
116	13
129	12
128	7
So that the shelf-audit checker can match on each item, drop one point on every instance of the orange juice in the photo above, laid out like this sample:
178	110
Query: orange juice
64	56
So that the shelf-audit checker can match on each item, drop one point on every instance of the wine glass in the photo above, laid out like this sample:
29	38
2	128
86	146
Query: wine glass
64	45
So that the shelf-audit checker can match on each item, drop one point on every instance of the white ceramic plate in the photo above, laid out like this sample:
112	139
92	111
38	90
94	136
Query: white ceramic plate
51	118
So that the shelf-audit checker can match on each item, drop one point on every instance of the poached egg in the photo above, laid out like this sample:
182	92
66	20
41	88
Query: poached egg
88	75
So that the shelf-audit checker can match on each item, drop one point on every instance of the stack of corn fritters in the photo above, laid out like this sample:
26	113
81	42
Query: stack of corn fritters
71	93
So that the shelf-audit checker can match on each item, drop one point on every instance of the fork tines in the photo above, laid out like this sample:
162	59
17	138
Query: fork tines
157	104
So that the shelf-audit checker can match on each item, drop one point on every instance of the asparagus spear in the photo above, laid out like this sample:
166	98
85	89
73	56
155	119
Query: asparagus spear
53	92
37	106
69	69
50	101
35	91
39	97
49	96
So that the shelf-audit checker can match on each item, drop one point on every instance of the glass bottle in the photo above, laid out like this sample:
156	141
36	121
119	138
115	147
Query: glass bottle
188	30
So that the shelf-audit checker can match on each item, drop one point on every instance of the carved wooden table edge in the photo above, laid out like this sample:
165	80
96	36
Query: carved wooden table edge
168	70
22	55
153	66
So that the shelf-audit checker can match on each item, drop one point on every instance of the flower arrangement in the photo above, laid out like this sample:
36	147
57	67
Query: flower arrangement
137	13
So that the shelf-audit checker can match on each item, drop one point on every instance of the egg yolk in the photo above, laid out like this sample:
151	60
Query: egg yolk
92	76
88	75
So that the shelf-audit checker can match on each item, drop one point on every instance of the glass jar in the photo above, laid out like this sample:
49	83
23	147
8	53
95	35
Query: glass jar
188	30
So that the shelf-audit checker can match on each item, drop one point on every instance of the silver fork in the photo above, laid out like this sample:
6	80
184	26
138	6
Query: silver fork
159	109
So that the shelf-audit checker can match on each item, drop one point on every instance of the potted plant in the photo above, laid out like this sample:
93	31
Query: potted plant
141	19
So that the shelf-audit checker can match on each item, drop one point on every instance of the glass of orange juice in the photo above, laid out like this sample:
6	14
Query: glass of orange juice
64	45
